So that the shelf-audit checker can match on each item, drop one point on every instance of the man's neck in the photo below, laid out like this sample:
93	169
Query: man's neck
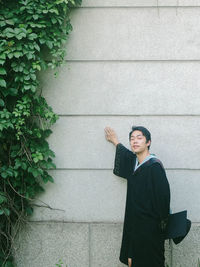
142	156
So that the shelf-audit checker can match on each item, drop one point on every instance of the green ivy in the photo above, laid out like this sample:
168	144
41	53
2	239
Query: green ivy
31	40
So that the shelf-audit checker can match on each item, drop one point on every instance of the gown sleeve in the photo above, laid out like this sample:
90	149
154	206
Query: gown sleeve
124	160
161	191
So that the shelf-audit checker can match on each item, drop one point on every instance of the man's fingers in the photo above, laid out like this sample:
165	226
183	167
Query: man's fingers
109	133
109	130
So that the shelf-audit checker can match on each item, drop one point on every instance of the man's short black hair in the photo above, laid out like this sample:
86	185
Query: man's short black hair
144	131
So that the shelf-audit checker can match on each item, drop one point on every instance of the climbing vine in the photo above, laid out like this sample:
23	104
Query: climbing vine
31	40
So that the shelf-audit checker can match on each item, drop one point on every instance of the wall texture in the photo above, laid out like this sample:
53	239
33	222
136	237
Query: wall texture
129	62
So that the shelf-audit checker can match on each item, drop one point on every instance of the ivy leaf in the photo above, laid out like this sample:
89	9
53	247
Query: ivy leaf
10	172
29	210
50	179
20	35
2	58
8	264
37	47
10	55
54	10
34	171
2	198
2	71
2	61
17	54
2	83
53	20
1	212
13	91
2	23
49	44
24	166
6	212
35	17
2	103
45	179
17	164
9	22
32	36
9	32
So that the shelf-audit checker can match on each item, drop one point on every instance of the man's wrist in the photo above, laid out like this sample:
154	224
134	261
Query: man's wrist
116	142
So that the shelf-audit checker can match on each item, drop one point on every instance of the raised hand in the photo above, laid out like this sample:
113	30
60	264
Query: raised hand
111	136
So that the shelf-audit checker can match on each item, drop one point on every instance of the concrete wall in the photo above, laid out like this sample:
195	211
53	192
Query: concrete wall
129	62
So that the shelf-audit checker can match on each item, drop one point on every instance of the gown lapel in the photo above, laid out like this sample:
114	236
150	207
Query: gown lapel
147	163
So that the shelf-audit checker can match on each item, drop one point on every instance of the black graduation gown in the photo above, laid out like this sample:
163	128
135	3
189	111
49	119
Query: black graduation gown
147	204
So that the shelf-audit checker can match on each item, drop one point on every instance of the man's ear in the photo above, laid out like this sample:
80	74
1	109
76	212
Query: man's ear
149	143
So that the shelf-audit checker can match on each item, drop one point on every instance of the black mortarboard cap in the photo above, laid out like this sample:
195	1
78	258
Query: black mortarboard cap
178	226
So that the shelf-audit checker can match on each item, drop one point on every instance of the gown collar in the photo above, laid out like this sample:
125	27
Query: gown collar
137	165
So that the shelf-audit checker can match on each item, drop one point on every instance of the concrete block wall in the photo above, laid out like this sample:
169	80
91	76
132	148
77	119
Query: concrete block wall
129	62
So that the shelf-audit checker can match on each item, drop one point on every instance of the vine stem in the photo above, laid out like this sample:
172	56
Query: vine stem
34	199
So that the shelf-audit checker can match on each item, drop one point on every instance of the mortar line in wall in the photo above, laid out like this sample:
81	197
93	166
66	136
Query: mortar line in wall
128	115
132	7
89	244
110	169
130	60
171	253
75	222
81	222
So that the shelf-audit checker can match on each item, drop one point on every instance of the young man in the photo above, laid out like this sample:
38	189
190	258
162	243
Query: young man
147	200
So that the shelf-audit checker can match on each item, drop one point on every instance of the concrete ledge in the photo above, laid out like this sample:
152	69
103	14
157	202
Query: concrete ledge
106	243
187	253
87	245
44	244
139	3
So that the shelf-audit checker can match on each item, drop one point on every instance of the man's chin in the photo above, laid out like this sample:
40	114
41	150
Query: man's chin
136	151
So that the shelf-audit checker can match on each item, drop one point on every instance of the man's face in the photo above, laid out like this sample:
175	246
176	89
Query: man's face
138	142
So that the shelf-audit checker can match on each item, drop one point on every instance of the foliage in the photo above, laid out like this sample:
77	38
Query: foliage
60	264
30	30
